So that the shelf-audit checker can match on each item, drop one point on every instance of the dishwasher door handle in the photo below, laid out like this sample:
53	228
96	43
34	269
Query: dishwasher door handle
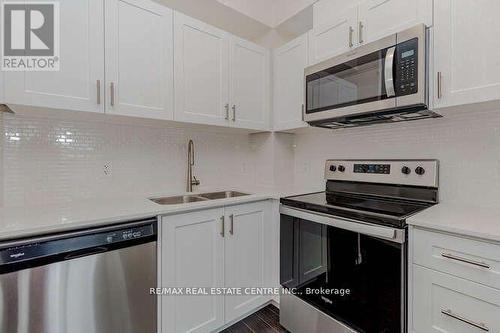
85	252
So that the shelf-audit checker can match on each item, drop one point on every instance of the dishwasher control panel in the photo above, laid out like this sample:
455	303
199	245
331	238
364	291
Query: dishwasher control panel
129	234
77	244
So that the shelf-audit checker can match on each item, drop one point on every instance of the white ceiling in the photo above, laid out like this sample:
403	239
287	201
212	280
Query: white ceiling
267	22
271	13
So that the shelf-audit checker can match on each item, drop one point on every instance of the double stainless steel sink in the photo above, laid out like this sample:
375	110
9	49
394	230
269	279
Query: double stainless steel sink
181	199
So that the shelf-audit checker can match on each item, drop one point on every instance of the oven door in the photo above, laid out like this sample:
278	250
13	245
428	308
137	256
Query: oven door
353	272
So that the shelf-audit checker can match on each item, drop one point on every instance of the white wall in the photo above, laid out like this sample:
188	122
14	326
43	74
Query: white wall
467	144
47	159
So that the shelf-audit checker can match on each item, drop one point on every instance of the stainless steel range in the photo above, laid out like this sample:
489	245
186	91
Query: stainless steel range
343	252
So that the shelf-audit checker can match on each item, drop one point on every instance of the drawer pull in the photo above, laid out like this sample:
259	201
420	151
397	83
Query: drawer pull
468	261
481	326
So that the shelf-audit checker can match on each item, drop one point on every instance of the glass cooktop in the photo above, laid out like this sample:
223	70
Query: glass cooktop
366	208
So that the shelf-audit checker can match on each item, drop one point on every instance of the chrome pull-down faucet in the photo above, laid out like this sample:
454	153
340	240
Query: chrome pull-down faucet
191	179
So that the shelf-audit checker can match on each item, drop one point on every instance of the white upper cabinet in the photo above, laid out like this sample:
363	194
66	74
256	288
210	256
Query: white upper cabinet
201	62
76	85
338	29
249	85
379	18
333	36
139	59
193	256
244	256
288	95
466	52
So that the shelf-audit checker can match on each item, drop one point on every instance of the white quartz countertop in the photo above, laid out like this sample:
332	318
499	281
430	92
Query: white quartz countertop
471	221
18	222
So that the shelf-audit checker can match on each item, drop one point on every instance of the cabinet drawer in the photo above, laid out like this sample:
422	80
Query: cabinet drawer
447	304
469	259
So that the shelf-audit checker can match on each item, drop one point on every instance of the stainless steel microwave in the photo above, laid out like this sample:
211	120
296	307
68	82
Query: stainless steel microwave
383	81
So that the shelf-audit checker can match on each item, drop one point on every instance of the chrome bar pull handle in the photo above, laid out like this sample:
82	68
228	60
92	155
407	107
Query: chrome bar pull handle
303	112
481	326
112	90
465	260
439	85
360	32
351	31
98	92
388	72
222	231
231	225
227	111
234	112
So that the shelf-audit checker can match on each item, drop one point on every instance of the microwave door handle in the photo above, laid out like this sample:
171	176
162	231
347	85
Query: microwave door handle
388	72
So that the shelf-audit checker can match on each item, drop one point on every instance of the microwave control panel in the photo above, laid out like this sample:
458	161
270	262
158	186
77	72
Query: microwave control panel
406	81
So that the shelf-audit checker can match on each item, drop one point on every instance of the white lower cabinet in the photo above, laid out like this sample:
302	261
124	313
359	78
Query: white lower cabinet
213	248
447	304
192	256
454	284
244	256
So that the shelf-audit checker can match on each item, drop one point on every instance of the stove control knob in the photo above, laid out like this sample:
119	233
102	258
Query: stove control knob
333	168
405	170
419	171
341	168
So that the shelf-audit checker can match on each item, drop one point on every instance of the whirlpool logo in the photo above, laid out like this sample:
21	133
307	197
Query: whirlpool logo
30	39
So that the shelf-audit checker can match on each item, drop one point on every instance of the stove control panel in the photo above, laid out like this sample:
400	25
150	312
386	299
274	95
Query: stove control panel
403	172
372	168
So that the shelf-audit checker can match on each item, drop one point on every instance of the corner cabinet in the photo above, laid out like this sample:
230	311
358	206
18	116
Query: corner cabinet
214	248
466	52
288	94
79	84
219	79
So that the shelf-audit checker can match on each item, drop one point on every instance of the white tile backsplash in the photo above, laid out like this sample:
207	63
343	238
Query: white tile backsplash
48	160
467	144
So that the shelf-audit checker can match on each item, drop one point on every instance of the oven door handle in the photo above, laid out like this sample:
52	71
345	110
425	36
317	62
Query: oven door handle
390	234
388	72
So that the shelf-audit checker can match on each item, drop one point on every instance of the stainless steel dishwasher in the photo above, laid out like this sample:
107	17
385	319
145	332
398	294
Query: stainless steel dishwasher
89	281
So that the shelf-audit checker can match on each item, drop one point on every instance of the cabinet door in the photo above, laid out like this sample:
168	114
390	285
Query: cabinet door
289	63
466	52
335	36
249	85
75	85
193	256
201	63
379	18
446	304
139	59
244	256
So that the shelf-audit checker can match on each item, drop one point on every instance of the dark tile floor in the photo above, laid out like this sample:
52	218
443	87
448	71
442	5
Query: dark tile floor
266	320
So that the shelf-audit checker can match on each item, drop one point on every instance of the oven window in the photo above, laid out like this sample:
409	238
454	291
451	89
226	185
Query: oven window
356	279
355	82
